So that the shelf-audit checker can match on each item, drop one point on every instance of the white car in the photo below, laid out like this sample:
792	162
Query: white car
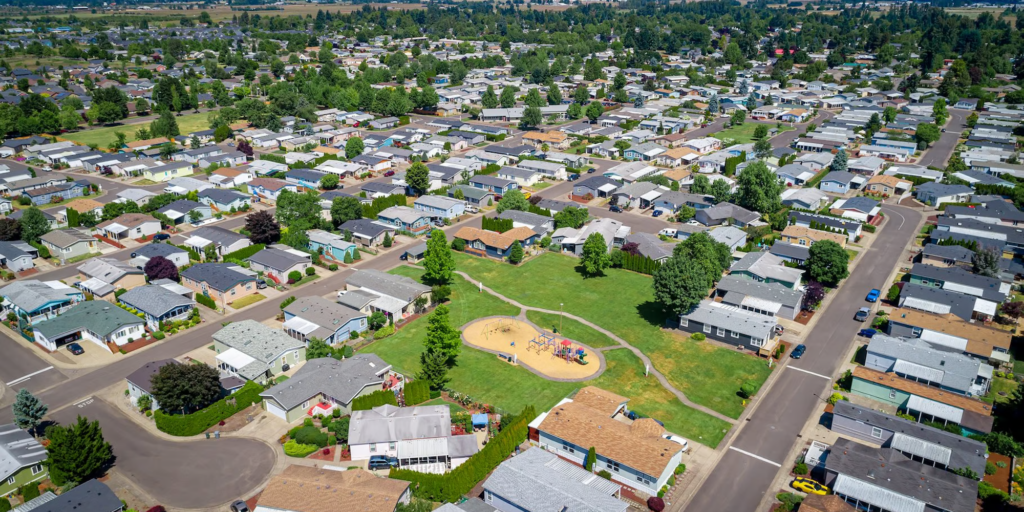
678	440
669	232
693	222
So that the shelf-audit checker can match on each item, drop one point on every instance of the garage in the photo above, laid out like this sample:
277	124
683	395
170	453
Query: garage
275	409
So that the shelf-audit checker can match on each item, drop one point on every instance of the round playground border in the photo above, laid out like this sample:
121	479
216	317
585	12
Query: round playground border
590	350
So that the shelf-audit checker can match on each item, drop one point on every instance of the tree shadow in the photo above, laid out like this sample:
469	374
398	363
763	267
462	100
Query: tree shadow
653	313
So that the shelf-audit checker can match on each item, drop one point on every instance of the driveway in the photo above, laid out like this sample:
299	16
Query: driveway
179	474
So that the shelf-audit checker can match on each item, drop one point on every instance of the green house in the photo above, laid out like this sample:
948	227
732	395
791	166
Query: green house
21	459
256	352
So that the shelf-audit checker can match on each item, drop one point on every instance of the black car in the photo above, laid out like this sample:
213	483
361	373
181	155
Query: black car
798	352
591	170
382	462
161	236
615	208
574	177
239	506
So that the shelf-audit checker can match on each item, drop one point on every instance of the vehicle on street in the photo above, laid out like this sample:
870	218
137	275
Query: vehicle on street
75	349
798	352
381	462
678	440
669	232
389	173
261	284
615	208
574	177
862	314
239	506
656	213
867	333
591	170
161	236
693	222
873	295
809	486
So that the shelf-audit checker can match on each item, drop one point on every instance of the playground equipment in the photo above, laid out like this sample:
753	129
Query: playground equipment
500	325
563	349
542	342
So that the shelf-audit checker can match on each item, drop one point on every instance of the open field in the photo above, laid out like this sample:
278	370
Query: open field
487	379
102	137
623	303
744	133
440	401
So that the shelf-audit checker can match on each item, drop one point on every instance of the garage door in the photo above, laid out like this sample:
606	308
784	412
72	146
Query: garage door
273	408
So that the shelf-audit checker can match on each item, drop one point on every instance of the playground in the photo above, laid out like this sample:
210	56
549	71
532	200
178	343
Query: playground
518	342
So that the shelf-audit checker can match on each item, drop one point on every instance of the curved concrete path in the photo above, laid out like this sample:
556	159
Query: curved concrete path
622	343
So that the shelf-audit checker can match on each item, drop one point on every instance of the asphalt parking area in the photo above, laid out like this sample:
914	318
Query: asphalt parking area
186	474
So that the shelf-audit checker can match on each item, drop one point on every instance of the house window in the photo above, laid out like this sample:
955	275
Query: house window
684	322
707	329
721	332
391	446
754	342
876	432
916	331
892	393
373	447
735	334
10	481
305	404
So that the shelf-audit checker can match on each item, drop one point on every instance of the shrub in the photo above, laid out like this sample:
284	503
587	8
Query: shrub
698	336
800	469
311	436
336	413
159	335
332	267
990	494
339	428
5	505
30	491
990	468
194	424
680	469
458	244
748	389
206	301
604	474
294	275
789	500
384	332
656	504
416	392
310	271
293	449
244	253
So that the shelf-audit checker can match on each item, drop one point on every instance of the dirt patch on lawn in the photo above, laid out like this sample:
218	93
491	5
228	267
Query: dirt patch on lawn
1000	480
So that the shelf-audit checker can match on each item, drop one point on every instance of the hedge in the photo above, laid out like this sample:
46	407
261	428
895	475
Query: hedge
311	436
44	252
245	252
640	263
375	399
380	204
196	423
416	392
450	486
206	301
494	224
192	254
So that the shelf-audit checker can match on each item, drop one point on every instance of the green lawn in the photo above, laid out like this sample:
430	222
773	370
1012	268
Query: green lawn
1007	386
247	300
440	401
744	133
484	377
623	303
102	137
570	329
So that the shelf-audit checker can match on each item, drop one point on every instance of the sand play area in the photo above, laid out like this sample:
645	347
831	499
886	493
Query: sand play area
532	347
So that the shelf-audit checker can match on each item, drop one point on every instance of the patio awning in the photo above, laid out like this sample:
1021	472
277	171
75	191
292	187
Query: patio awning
96	286
235	358
299	325
936	409
197	241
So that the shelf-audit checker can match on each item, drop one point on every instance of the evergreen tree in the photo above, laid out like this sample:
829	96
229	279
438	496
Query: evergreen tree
28	410
438	260
76	452
441	337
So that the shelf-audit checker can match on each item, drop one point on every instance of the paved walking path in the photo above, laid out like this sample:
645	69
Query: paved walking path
661	378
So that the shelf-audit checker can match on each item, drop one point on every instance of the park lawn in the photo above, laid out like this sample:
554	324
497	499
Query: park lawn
623	302
570	329
744	133
102	137
440	401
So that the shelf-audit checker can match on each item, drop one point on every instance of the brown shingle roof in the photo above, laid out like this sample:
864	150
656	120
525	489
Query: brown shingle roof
128	220
599	399
915	388
308	489
493	238
980	340
84	205
830	503
147	142
813	234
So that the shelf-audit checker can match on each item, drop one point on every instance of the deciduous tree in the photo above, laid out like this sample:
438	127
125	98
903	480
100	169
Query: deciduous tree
438	260
159	267
680	284
828	262
33	225
344	209
595	256
513	200
262	227
759	189
418	177
184	388
441	337
76	452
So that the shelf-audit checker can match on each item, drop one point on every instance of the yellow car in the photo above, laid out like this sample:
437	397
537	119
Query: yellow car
809	486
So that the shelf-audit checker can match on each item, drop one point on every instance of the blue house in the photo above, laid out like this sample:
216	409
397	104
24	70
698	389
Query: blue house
404	218
62	192
440	206
330	244
837	182
493	184
35	301
224	199
317	317
305	178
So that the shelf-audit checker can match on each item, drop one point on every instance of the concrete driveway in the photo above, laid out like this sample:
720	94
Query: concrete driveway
179	474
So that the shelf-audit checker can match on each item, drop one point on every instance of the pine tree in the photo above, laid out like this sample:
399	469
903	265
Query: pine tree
28	410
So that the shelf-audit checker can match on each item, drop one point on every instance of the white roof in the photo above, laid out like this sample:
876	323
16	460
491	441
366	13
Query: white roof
298	324
197	241
235	358
876	495
937	409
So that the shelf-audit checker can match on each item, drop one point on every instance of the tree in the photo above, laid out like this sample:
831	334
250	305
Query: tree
513	200
245	148
344	209
588	463
165	126
76	452
10	229
986	263
889	114
927	133
713	104
329	182
28	410
594	111
939	111
721	190
839	162
595	256
622	145
184	388
33	225
221	133
159	267
418	177
531	117
388	241
701	185
737	117
813	296
294	208
354	147
680	283
759	189
441	337
828	262
761	131
572	217
434	369
507	97
438	260
318	349
377	320
533	98
515	253
262	227
763	148
1013	310
489	99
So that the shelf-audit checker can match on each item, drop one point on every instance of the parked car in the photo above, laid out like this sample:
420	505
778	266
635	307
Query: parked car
809	486
239	506
873	295
669	232
389	173
161	236
798	352
615	208
591	170
382	462
574	177
472	209
862	314
867	333
75	349
678	440
261	284
656	213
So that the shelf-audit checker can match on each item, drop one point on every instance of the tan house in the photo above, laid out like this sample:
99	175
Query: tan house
890	185
310	489
800	235
554	139
222	282
102	277
81	206
142	145
677	157
129	225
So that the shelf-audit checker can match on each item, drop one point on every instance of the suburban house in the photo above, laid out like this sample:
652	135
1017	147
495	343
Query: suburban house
805	198
21	459
35	301
366	232
279	263
726	213
403	218
888	185
744	329
734	238
538	223
770	299
103	276
395	295
852	229
840	182
536	478
307	489
89	496
553	139
947	256
325	384
767	267
17	256
255	352
959	280
800	235
952	333
419	437
860	209
917	360
140	381
223	240
492	184
594	187
66	244
317	317
790	252
222	282
158	304
129	225
330	244
636	455
440	207
224	200
522	177
492	244
143	254
184	210
935	194
97	321
267	189
942	302
571	240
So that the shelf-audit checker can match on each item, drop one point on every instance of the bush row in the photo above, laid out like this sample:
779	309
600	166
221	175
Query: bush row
197	422
416	392
375	399
245	252
206	301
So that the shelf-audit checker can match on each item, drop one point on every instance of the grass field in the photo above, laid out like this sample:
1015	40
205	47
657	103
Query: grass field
102	137
1000	384
440	401
623	303
217	13
247	300
487	379
744	133
570	329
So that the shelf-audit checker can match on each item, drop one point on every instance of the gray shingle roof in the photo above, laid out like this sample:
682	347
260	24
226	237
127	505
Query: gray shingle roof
365	227
107	270
217	235
91	496
957	371
276	259
330	316
258	341
989	286
356	299
157	249
773	292
65	238
32	294
18	449
142	378
341	380
539	481
99	316
788	250
219	276
153	299
399	287
959	304
750	324
949	252
388	423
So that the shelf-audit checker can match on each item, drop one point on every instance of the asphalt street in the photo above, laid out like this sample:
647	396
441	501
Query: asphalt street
942	149
746	471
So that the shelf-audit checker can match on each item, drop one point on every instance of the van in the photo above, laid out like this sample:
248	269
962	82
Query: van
381	462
